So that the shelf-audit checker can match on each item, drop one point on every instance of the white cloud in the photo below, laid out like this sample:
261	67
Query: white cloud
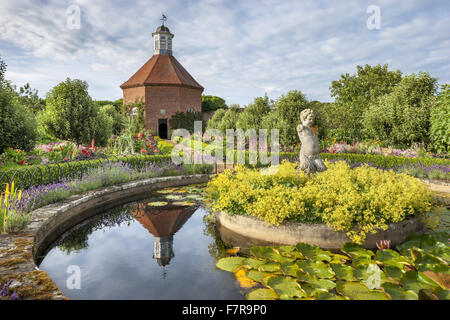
235	50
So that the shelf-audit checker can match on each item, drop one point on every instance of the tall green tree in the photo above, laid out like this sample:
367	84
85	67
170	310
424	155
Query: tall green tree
252	115
353	94
402	117
212	103
17	123
286	116
71	114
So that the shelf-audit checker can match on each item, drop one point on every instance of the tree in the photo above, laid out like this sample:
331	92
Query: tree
440	117
29	98
212	103
402	117
71	114
353	94
252	115
216	119
230	118
17	123
116	116
286	116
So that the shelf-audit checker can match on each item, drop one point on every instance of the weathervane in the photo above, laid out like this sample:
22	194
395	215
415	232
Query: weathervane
164	18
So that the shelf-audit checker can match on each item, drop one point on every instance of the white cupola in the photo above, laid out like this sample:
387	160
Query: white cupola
162	39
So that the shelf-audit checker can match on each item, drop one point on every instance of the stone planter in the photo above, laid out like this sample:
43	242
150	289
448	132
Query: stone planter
291	233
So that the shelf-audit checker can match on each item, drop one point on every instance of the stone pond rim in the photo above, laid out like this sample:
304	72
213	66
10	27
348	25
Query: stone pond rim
291	233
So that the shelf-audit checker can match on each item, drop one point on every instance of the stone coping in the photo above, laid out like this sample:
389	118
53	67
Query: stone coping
20	253
291	233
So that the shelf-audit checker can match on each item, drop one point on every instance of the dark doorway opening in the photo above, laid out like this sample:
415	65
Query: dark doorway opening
162	128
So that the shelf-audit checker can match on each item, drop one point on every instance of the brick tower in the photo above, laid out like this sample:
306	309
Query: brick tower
163	85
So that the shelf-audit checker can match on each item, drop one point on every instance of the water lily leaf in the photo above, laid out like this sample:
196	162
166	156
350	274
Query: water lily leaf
356	251
244	281
233	250
157	204
317	269
194	197
392	258
270	267
270	254
437	268
343	271
286	286
397	293
253	263
394	273
322	284
442	294
256	275
167	190
290	269
428	259
230	263
361	261
425	241
174	197
313	252
262	294
442	279
358	291
416	281
183	203
194	190
371	275
289	251
329	296
339	258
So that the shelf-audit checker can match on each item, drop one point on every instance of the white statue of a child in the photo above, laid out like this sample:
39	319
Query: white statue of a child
310	160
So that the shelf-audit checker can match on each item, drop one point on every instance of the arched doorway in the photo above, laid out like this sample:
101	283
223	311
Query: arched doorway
162	128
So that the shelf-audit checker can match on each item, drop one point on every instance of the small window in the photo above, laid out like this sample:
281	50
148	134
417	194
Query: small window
169	43
163	42
190	110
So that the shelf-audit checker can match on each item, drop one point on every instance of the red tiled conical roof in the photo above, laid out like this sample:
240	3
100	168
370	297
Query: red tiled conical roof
162	69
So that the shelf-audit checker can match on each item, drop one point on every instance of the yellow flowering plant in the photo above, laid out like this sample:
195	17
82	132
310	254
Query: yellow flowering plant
357	201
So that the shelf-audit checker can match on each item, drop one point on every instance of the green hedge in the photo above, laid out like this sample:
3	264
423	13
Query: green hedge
51	173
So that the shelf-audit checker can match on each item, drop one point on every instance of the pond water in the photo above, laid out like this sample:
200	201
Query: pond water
162	247
144	250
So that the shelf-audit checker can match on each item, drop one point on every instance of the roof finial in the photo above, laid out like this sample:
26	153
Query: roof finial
164	18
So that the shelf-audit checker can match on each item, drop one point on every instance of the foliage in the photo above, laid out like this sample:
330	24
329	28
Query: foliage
216	119
181	120
17	123
252	115
353	94
357	201
71	114
440	128
139	121
11	217
29	98
212	103
117	123
286	116
225	120
418	269
6	293
402	117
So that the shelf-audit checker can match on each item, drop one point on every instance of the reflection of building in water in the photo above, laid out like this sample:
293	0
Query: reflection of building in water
162	223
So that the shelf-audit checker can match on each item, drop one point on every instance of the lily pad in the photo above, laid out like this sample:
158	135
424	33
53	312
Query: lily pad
356	251
269	267
269	253
256	275
286	287
164	191
313	252
194	197
442	294
317	269
183	203
392	258
358	291
397	293
343	272
394	273
416	281
262	294
230	264
174	197
243	280
329	296
290	269
157	204
253	263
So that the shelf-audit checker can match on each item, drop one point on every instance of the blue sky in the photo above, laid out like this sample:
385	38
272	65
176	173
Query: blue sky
237	50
